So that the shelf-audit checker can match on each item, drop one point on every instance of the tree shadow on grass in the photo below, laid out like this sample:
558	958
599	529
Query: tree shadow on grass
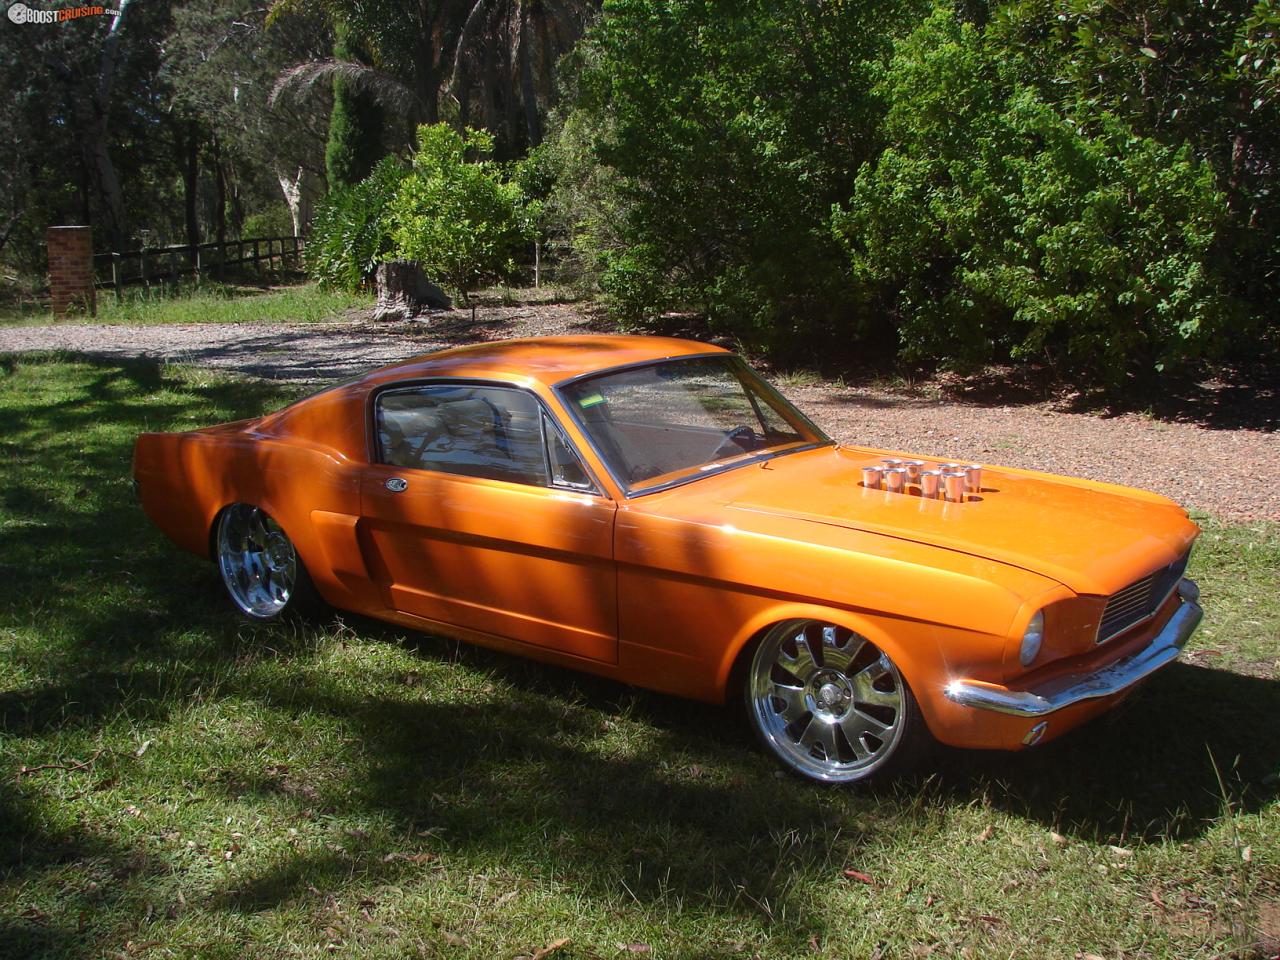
1165	765
1145	772
534	780
533	774
598	785
100	874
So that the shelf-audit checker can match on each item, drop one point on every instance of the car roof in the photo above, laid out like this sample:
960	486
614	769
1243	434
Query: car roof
550	360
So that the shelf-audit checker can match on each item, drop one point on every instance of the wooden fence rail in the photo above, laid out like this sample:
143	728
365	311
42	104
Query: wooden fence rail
168	264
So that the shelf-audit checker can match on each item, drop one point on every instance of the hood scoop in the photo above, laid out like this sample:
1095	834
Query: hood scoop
953	482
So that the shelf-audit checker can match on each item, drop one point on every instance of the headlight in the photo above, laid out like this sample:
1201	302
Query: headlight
1032	639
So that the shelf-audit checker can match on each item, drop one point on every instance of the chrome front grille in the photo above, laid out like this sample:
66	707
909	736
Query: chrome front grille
1139	600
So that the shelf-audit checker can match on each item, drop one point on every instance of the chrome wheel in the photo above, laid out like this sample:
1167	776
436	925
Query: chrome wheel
827	702
258	563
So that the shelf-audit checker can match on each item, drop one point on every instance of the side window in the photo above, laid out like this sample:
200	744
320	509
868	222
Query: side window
476	431
566	468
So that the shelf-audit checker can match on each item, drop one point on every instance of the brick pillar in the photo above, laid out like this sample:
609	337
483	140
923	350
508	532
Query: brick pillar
71	269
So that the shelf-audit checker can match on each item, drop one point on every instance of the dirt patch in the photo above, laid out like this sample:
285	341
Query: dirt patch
1269	930
1222	472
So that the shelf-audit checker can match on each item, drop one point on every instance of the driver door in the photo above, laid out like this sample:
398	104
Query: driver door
480	515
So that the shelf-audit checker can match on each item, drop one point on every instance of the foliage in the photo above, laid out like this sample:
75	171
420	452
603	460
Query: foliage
487	63
583	207
997	224
353	147
221	61
84	130
459	218
540	174
351	232
1204	74
702	148
355	127
1080	179
725	133
272	221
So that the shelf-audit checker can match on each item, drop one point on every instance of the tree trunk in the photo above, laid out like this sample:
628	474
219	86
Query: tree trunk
8	229
101	173
189	147
489	84
404	293
528	93
292	189
219	194
83	195
546	62
219	204
237	196
512	124
426	79
464	105
93	130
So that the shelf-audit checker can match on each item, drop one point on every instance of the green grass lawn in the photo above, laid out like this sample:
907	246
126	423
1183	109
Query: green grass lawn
210	302
221	790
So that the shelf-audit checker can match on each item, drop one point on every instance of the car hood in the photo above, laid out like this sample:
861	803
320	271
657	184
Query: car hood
1095	538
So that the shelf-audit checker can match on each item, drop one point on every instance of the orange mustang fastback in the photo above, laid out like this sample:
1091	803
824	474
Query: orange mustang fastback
651	510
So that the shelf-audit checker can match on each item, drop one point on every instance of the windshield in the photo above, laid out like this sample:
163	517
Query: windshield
672	420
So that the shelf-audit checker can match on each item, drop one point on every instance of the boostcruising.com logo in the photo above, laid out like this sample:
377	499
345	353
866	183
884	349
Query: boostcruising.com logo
21	13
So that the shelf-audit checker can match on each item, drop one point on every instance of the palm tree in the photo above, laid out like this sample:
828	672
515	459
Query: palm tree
497	54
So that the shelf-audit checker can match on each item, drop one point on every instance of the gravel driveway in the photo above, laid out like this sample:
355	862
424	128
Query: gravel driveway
1227	473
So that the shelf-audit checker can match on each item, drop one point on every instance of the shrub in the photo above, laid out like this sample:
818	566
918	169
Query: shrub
274	221
460	219
1203	74
708	142
1000	225
351	230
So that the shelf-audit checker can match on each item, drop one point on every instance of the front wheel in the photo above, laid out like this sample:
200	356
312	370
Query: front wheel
830	705
260	568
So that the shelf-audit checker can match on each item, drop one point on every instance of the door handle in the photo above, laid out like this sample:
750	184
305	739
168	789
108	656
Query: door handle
396	484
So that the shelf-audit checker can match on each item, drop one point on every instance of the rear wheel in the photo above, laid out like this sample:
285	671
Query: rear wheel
260	567
830	705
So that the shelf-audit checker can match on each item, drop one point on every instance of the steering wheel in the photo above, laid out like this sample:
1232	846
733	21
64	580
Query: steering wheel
737	441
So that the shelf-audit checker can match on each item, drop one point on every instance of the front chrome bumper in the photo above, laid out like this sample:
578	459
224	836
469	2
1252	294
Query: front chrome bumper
1114	678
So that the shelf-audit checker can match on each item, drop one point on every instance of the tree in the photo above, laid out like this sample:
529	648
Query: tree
1198	72
712	141
461	220
504	63
85	139
996	224
355	125
351	233
430	58
222	60
88	79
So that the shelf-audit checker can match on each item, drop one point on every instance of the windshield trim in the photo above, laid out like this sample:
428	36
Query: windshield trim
745	374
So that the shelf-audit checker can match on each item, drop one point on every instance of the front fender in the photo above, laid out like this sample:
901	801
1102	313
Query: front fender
928	655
